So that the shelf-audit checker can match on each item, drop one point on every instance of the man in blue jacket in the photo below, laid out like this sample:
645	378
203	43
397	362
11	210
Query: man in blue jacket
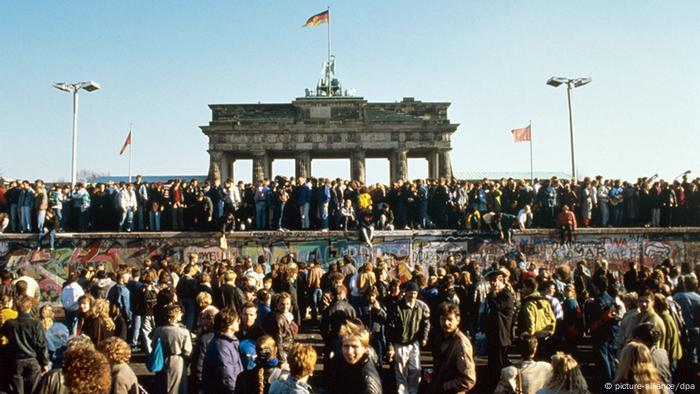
304	202
222	362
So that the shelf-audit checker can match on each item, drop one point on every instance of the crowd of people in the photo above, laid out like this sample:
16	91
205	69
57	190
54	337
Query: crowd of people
234	326
324	204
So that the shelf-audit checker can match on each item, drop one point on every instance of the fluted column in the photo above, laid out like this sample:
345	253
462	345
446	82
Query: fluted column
399	165
433	161
357	166
215	165
302	164
445	164
258	165
267	162
226	166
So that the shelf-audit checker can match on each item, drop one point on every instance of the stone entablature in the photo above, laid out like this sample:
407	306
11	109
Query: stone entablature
337	127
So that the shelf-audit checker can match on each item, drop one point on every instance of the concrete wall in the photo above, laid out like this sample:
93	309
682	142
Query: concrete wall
648	246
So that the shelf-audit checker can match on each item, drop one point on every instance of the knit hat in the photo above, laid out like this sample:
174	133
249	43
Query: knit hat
412	286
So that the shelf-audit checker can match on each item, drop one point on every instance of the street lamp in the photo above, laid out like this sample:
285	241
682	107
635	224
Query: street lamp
570	84
74	88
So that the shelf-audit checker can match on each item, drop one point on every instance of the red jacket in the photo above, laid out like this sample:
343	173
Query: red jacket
566	217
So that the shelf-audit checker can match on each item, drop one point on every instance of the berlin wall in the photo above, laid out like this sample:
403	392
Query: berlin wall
75	251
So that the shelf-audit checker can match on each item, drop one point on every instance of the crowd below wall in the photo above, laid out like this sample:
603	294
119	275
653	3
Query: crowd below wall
323	204
375	320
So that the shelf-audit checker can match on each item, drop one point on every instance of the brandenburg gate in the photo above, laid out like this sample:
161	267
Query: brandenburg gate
333	126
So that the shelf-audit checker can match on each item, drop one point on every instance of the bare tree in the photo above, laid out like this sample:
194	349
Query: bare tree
90	176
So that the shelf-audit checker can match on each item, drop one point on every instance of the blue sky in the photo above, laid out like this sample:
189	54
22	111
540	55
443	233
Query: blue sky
161	63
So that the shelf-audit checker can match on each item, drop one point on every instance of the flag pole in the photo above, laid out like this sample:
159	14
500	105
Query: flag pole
131	144
328	72
532	174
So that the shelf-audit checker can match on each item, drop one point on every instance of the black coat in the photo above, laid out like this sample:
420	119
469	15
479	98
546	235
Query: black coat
499	318
333	317
360	378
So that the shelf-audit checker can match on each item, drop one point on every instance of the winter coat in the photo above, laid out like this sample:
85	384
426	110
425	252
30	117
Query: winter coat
454	370
359	378
222	365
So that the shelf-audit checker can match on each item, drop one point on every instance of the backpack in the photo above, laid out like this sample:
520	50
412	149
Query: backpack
544	320
150	298
155	359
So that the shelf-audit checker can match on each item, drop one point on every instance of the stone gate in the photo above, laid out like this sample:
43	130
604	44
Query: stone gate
330	127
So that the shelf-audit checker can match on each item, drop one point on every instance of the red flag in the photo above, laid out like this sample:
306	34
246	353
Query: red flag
126	143
317	19
521	135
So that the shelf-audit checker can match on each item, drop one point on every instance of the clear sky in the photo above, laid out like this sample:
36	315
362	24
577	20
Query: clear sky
161	63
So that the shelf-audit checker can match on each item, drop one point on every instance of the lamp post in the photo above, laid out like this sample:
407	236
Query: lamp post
75	88
571	83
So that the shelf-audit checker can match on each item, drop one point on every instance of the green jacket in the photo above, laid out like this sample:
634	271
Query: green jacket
672	342
536	316
406	325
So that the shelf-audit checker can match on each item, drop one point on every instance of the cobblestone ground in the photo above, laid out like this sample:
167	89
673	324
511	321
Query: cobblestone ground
312	336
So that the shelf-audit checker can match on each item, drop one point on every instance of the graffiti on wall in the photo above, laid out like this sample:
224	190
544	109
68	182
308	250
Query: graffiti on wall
51	268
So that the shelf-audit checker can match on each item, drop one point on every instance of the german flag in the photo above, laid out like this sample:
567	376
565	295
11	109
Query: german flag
317	19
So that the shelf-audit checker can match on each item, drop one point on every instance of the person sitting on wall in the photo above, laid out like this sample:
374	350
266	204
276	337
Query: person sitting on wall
367	227
566	222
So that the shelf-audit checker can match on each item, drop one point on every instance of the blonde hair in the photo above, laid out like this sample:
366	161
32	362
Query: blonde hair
116	350
203	299
636	366
46	314
566	375
87	371
351	330
302	360
101	309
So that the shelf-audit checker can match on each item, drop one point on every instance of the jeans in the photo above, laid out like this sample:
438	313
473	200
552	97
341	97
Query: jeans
148	323
128	219
423	218
279	216
315	297
604	214
24	375
140	224
407	368
260	215
656	217
52	238
219	209
40	219
323	214
618	213
25	219
14	218
135	330
304	213
154	220
605	354
58	211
